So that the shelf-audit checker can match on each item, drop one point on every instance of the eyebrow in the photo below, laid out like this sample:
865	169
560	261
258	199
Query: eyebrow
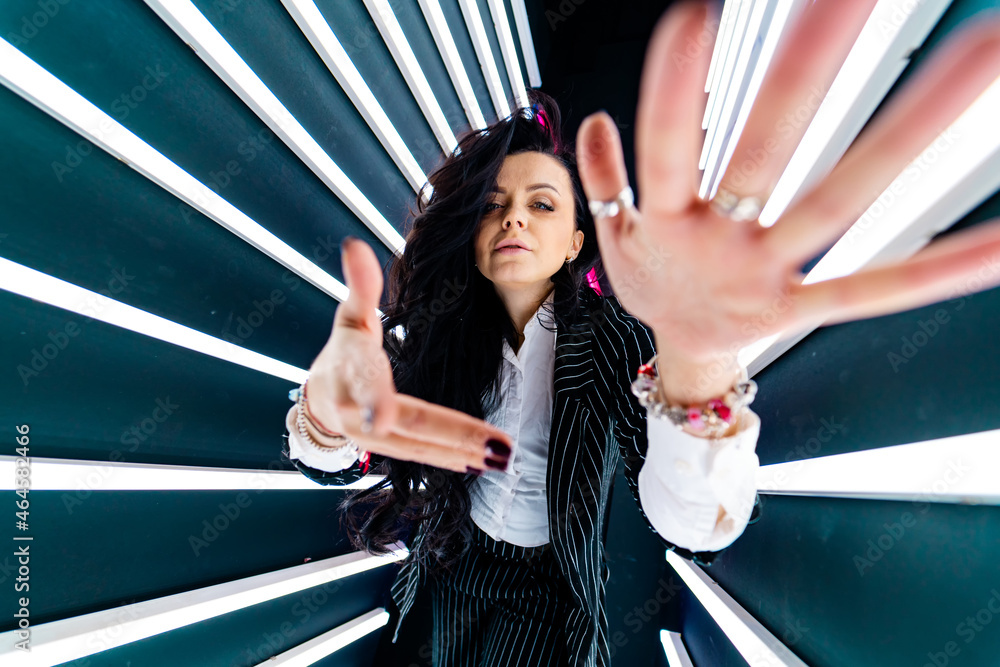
535	186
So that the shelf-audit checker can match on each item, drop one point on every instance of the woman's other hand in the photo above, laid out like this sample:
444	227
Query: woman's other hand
352	374
698	278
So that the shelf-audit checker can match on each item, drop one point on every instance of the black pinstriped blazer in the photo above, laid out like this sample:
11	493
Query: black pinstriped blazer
595	420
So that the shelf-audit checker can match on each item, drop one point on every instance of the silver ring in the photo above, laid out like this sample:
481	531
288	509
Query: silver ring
734	207
609	209
367	418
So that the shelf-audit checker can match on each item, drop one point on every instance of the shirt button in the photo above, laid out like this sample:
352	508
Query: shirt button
683	467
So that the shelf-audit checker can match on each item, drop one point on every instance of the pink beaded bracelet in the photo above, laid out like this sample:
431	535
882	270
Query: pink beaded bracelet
711	419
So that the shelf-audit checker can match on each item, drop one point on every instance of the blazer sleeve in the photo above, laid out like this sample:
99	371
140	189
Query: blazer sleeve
627	344
324	468
319	467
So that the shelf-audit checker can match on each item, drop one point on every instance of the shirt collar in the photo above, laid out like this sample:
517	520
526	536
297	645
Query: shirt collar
534	329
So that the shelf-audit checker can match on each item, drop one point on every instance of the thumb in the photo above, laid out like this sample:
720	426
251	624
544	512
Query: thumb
363	275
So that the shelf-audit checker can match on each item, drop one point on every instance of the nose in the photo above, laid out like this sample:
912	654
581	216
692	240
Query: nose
507	223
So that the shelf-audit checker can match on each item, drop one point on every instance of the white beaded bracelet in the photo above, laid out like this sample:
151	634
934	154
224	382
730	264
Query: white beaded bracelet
299	396
709	420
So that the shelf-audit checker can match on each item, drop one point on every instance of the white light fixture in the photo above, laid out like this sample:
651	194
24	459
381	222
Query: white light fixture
322	646
69	639
477	31
452	61
726	85
41	88
509	52
754	642
527	43
735	94
392	33
878	57
958	171
673	646
772	25
192	26
73	475
39	286
312	24
723	38
957	469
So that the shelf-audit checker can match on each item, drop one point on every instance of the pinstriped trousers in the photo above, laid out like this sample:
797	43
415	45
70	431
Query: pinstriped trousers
502	606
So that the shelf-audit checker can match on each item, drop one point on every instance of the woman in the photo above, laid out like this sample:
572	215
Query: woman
499	412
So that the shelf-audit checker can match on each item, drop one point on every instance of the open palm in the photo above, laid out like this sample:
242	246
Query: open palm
708	284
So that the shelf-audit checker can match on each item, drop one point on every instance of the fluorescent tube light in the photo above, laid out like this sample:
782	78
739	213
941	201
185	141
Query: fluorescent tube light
192	26
957	469
392	33
509	52
312	24
39	286
477	31
453	61
39	87
673	646
754	642
527	43
82	475
324	645
72	638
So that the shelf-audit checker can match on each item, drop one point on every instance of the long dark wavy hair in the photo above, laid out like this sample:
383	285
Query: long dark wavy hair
455	325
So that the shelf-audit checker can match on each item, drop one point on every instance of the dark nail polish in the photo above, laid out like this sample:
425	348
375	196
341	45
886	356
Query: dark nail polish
499	465
498	447
474	471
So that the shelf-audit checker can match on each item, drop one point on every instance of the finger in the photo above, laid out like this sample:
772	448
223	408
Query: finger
451	428
602	170
363	276
937	95
371	386
955	266
404	448
417	419
796	82
671	105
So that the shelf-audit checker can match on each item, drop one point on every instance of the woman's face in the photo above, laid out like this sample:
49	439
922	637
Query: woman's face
533	205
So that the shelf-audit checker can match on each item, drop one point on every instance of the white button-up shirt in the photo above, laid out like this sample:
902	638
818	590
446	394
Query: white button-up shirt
682	483
510	505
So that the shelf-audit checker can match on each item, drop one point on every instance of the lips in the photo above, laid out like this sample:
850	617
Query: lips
510	243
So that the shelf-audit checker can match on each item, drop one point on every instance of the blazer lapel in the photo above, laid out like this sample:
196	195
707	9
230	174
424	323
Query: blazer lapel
574	369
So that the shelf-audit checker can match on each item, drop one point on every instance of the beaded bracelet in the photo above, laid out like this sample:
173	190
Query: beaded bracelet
299	396
712	419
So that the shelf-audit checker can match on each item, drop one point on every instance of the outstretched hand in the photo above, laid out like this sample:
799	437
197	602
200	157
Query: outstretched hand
352	373
698	278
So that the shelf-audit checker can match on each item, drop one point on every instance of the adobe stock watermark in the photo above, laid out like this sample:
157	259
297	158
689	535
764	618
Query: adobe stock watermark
262	311
694	47
212	528
737	175
219	179
34	22
753	329
59	340
121	107
562	13
968	629
911	177
811	447
310	601
791	634
637	618
894	532
133	436
986	276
